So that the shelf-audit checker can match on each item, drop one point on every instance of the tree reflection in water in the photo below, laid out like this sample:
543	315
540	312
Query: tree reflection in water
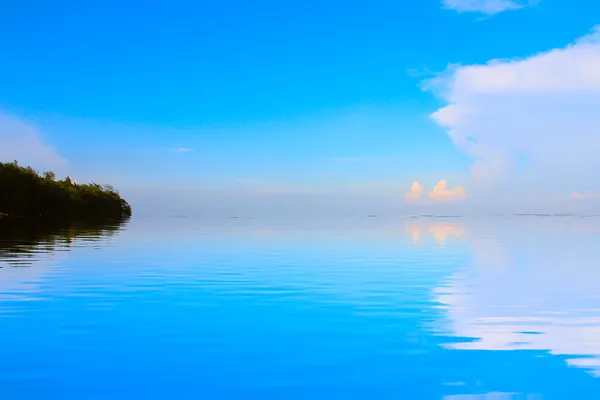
24	240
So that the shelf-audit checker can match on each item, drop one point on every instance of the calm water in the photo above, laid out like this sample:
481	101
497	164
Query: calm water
366	308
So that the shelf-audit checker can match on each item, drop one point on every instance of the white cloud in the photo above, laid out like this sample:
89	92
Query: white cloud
169	149
24	142
488	7
541	111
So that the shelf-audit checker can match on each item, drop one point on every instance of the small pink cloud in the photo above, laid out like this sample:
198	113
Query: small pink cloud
585	196
441	193
415	192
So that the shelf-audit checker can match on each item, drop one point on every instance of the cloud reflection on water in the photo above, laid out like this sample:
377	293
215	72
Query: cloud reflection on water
530	285
441	232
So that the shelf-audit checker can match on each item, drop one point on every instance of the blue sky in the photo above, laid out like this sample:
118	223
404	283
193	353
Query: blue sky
284	96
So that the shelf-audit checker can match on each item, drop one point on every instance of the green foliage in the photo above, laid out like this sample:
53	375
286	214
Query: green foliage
49	176
24	193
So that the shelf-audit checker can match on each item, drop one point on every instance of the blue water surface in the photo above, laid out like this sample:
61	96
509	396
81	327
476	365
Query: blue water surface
356	308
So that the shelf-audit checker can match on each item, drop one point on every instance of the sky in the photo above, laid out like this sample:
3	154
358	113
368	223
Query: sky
392	105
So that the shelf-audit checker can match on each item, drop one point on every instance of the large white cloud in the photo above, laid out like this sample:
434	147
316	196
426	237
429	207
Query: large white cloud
489	7
529	124
24	142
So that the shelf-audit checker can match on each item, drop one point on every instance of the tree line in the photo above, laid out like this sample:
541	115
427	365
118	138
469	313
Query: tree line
26	193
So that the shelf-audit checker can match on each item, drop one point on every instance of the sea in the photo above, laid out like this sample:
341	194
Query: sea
356	307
